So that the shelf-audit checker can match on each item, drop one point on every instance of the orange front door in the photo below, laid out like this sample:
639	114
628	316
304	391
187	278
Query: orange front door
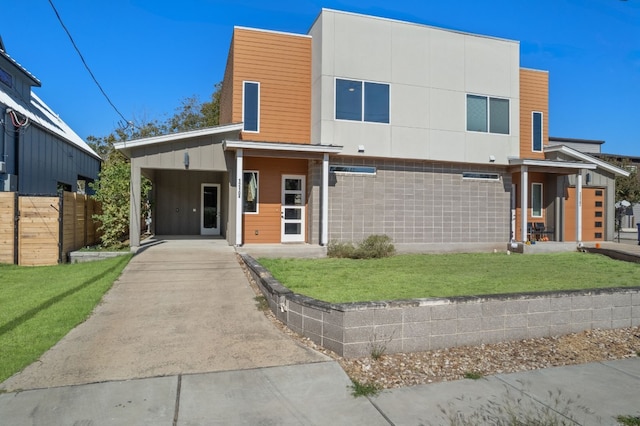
593	214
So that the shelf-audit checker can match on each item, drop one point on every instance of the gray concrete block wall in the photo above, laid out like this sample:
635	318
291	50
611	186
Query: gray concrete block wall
418	202
357	329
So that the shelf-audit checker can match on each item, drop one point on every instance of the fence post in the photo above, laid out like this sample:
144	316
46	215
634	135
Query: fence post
60	225
16	228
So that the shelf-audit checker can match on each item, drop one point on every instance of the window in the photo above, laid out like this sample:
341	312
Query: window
355	170
486	114
599	193
480	175
250	192
536	130
362	101
598	224
251	106
536	200
6	78
598	203
598	214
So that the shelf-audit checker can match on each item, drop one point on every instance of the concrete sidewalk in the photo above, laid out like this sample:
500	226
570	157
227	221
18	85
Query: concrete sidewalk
319	394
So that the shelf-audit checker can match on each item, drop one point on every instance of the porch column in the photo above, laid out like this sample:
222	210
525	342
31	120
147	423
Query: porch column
239	176
524	198
579	207
324	217
134	206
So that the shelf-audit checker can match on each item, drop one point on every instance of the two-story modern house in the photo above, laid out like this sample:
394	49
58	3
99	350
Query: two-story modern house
39	153
367	125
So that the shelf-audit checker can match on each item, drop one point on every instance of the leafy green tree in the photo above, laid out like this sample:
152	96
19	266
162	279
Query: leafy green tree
627	187
112	188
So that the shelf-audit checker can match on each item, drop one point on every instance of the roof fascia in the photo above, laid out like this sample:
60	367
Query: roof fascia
584	157
236	127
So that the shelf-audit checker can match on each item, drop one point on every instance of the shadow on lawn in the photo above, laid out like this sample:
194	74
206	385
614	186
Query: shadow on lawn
33	312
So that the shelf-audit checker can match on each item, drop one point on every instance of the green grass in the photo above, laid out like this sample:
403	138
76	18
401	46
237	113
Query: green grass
448	275
39	305
629	420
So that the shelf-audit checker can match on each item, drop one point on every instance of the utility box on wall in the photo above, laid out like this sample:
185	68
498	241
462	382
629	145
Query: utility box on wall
10	183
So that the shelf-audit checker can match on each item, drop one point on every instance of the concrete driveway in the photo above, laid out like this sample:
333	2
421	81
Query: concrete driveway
180	307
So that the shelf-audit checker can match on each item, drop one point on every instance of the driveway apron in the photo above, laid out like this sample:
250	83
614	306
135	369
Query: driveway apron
179	307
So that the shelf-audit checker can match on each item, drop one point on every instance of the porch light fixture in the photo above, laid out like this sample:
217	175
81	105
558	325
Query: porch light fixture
360	148
186	159
588	179
492	158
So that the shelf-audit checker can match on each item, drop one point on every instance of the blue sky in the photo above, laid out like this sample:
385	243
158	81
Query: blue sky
151	54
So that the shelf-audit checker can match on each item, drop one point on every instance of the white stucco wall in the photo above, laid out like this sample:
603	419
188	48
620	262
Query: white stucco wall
430	71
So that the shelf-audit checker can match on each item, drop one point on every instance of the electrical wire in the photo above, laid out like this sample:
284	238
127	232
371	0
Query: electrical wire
86	65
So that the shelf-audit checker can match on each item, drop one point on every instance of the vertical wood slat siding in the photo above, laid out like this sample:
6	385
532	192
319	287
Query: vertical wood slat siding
281	63
7	226
268	221
589	218
534	96
226	92
38	231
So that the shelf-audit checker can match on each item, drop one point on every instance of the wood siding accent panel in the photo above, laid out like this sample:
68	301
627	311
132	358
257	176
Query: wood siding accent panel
7	226
281	63
589	219
268	221
226	91
534	96
534	177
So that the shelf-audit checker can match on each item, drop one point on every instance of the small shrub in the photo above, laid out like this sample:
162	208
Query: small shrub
364	389
340	250
373	247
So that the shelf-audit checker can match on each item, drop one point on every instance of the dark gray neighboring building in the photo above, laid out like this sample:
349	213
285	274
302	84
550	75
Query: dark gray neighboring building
39	153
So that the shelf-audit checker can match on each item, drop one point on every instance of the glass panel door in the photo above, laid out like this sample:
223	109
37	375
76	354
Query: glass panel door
293	208
210	209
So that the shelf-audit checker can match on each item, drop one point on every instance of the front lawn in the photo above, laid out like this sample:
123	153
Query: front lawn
39	305
446	275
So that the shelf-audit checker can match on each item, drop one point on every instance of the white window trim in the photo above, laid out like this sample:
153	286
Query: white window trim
362	82
541	199
244	82
541	131
487	97
257	192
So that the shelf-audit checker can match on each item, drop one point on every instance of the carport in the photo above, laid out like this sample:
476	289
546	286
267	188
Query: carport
189	172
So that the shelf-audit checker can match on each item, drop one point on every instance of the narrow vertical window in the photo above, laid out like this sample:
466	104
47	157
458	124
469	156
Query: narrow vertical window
251	107
536	200
250	192
536	130
476	113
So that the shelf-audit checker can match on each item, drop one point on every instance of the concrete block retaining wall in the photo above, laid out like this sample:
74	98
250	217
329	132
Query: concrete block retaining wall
356	329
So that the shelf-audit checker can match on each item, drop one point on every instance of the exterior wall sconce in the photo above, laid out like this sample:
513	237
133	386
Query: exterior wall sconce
588	179
186	159
492	158
360	148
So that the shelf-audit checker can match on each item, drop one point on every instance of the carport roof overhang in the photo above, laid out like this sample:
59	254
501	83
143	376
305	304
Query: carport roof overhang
551	166
270	149
127	146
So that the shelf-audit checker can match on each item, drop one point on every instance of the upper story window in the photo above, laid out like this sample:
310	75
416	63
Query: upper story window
536	131
362	101
6	78
251	106
486	114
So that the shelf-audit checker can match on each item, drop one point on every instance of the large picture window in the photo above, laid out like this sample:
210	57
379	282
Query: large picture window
250	192
251	106
485	114
536	130
536	200
362	101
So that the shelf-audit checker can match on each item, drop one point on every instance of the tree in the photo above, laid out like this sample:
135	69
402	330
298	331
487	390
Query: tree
627	187
112	188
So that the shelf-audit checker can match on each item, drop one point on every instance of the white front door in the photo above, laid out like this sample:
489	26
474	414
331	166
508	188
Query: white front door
210	209
293	208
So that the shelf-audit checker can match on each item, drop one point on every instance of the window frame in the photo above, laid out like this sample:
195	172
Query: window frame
533	131
244	192
533	213
488	113
363	97
244	107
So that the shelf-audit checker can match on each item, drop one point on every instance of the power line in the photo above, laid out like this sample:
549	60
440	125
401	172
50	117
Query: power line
85	63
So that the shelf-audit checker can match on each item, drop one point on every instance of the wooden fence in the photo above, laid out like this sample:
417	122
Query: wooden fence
41	230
